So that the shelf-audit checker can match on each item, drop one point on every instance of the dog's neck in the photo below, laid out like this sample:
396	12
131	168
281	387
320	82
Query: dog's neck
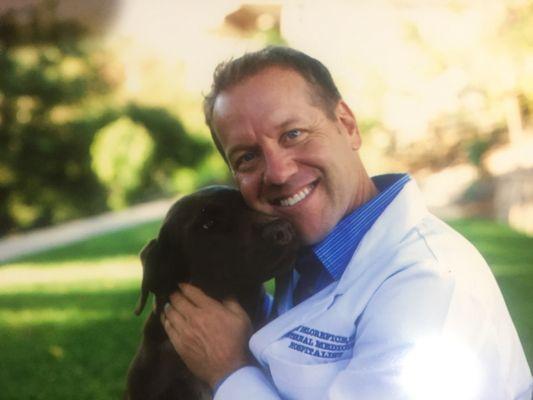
252	301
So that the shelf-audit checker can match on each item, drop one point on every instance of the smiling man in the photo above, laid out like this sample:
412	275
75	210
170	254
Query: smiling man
379	276
288	156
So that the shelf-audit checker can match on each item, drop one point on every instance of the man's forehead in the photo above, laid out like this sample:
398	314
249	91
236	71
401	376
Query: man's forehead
238	128
263	95
274	115
272	100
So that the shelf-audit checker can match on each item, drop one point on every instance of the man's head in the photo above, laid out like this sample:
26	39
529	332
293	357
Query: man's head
323	93
293	149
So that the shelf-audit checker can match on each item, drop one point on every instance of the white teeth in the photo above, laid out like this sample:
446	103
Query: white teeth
296	198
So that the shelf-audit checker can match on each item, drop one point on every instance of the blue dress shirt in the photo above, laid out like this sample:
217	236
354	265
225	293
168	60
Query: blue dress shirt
335	251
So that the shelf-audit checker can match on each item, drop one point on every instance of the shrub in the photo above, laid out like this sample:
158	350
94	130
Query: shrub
120	151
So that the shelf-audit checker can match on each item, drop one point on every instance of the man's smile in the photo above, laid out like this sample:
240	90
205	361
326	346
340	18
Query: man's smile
297	197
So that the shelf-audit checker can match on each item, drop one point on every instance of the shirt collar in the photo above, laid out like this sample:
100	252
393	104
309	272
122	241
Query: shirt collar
337	248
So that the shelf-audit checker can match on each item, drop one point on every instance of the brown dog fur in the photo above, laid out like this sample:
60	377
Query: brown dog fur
214	241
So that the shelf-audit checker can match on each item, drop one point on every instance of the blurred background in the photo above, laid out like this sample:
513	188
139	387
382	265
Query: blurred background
100	112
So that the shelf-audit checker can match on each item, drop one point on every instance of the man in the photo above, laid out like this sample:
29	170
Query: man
389	303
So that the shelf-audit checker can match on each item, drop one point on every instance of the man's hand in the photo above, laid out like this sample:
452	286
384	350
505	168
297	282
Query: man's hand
211	337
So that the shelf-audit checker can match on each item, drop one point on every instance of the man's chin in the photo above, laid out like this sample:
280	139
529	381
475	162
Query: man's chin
309	236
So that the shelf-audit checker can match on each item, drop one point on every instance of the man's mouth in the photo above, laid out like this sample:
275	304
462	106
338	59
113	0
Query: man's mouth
297	197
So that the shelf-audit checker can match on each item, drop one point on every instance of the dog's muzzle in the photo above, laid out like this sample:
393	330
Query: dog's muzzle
280	232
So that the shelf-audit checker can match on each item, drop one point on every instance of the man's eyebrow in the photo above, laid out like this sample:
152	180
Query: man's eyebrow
287	123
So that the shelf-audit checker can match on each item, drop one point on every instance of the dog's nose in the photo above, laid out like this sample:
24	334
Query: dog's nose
279	232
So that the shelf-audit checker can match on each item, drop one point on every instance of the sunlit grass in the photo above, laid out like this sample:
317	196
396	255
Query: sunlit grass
70	342
65	316
67	329
110	273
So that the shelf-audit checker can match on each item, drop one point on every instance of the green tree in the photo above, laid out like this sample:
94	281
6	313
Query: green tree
174	149
119	153
47	81
56	93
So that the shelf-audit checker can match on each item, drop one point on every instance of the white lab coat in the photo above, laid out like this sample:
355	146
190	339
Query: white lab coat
411	278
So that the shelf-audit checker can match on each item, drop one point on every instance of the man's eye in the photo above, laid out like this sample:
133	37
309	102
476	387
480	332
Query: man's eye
293	134
245	160
246	157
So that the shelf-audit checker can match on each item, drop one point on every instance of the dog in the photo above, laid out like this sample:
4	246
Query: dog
210	239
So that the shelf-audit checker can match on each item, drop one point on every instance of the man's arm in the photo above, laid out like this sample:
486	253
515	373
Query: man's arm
210	336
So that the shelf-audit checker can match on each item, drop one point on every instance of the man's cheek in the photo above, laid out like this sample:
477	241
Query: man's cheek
250	189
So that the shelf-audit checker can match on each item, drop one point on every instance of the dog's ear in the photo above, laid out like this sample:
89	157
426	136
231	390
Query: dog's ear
150	260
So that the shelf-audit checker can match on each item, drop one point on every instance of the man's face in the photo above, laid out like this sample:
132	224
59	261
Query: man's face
288	158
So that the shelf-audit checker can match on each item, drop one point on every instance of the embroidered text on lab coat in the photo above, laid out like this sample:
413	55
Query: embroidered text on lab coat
318	343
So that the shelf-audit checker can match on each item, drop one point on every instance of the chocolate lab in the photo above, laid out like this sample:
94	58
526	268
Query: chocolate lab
214	241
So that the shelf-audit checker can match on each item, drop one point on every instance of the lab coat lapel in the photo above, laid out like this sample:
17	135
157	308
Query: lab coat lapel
290	318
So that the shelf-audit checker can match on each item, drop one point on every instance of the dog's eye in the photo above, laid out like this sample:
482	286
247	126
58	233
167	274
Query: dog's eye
208	224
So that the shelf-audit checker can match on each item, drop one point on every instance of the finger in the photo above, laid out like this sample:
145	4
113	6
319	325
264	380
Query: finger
172	333
233	305
197	296
173	316
180	303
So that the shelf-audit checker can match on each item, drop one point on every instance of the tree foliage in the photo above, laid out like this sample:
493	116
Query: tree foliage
119	153
55	95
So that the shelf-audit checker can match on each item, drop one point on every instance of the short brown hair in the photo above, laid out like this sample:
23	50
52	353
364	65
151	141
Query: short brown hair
232	72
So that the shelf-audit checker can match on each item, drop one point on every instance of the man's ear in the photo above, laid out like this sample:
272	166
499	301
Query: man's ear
150	259
349	124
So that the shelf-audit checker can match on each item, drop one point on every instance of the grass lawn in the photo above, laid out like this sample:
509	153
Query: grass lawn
67	329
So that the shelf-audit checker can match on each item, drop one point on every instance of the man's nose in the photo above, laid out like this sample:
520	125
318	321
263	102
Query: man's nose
279	167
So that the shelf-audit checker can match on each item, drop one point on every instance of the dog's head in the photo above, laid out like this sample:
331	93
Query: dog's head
214	241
